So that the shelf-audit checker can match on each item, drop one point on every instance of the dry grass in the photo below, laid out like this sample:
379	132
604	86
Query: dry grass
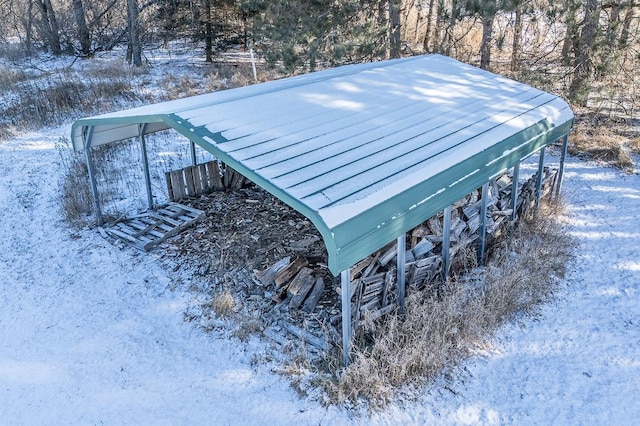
53	98
604	143
223	305
441	329
218	76
9	76
76	201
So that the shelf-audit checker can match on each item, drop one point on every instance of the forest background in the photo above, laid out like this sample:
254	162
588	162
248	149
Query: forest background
586	50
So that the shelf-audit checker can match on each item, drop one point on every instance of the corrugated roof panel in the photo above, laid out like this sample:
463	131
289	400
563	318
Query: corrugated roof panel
365	151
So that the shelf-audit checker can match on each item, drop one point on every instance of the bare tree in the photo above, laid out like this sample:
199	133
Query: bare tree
83	31
625	32
516	47
49	29
488	12
427	35
569	45
135	48
583	64
394	29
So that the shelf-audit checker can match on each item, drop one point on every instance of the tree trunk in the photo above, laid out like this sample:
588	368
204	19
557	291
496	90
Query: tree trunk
55	29
83	32
579	89
134	33
49	26
427	35
488	16
28	28
623	42
394	29
208	32
516	49
448	39
570	37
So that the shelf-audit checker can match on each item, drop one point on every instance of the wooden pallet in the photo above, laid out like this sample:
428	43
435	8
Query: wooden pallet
146	230
201	179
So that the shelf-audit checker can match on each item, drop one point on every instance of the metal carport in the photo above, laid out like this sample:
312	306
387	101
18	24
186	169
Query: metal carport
366	152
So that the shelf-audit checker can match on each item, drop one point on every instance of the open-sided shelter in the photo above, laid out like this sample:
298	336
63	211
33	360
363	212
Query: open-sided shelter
366	151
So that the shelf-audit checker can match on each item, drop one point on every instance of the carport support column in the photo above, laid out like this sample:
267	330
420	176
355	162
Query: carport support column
446	242
400	263
194	159
88	136
145	164
483	223
539	179
563	157
514	191
345	286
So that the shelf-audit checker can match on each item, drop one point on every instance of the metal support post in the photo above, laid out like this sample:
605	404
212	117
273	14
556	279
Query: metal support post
88	136
194	159
400	263
514	191
563	157
145	165
345	285
539	179
483	223
446	242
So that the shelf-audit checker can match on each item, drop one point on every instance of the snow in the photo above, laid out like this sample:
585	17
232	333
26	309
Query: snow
94	334
91	333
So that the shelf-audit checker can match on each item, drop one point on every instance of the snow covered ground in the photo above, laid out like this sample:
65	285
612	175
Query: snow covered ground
93	334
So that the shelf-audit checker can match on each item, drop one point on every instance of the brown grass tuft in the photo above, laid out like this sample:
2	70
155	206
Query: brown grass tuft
605	143
223	305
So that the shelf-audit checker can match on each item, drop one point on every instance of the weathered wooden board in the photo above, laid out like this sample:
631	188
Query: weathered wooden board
201	179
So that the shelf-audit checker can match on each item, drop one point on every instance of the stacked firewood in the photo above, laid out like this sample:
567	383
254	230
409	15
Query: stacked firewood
293	280
374	279
527	197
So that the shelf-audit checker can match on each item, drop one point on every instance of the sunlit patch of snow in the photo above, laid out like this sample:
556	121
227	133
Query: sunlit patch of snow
605	234
629	266
30	372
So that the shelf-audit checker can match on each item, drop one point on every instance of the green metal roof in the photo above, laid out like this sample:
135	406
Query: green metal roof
367	151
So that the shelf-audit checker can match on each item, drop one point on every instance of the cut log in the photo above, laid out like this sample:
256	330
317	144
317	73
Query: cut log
306	336
361	266
280	294
290	271
314	297
422	248
373	266
435	224
301	293
387	256
297	284
268	276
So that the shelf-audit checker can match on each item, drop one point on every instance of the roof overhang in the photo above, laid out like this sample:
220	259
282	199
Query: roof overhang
366	151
